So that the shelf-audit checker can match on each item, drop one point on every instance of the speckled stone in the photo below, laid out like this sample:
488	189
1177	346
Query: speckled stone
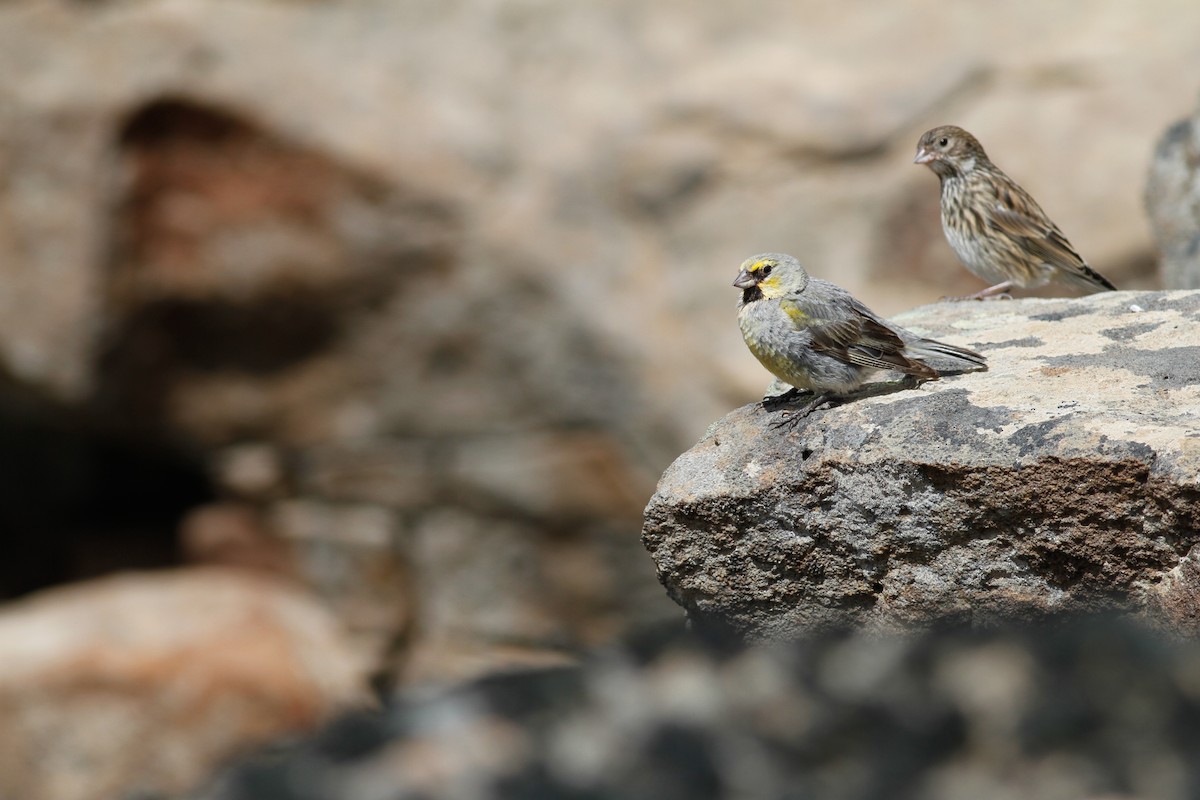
1066	477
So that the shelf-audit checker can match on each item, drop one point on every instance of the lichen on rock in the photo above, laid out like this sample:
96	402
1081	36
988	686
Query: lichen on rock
1066	477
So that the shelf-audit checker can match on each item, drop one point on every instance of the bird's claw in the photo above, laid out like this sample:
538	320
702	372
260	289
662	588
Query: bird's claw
772	402
997	292
788	421
978	297
792	418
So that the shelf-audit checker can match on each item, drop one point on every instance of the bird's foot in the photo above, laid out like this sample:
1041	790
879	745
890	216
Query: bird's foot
792	418
997	292
772	402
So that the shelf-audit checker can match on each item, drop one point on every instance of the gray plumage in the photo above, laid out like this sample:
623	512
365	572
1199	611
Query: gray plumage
814	335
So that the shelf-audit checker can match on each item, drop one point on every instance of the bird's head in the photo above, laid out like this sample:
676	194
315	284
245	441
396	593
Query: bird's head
770	275
949	150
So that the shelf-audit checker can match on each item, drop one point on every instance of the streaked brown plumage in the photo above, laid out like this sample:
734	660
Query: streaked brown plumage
995	227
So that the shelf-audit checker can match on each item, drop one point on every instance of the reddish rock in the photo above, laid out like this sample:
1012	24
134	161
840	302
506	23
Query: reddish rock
144	682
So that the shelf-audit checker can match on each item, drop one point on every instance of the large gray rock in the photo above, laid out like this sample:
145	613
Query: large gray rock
1065	477
1173	203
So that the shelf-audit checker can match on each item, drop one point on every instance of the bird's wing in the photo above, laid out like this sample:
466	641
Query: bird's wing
845	329
1017	214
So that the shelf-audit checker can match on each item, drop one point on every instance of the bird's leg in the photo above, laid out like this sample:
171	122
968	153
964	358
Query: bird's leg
997	292
791	418
774	401
789	421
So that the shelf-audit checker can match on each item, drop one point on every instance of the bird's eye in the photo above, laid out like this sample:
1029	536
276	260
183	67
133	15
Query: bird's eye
942	142
765	271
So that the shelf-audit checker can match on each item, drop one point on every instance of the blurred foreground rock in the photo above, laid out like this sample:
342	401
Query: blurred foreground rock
1086	709
145	682
1067	477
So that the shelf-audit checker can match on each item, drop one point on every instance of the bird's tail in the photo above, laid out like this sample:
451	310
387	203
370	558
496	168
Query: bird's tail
947	359
1087	278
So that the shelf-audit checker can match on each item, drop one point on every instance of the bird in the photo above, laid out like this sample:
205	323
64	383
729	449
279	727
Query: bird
995	227
815	336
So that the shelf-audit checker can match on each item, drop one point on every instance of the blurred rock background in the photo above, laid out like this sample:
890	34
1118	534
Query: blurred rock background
405	306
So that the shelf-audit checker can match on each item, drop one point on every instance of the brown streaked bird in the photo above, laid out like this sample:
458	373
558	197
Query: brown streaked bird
996	228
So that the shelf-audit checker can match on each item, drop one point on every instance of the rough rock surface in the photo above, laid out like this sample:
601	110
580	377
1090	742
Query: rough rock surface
1097	710
1173	203
142	683
1065	477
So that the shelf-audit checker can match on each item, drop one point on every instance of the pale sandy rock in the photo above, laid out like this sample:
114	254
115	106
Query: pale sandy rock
145	682
1065	477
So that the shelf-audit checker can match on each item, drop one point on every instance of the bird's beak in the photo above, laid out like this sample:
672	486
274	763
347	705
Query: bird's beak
923	156
745	280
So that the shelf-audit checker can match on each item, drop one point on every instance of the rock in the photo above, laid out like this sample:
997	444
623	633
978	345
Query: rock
1173	203
1179	592
250	471
234	535
348	556
145	682
1084	709
495	594
1063	478
565	477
